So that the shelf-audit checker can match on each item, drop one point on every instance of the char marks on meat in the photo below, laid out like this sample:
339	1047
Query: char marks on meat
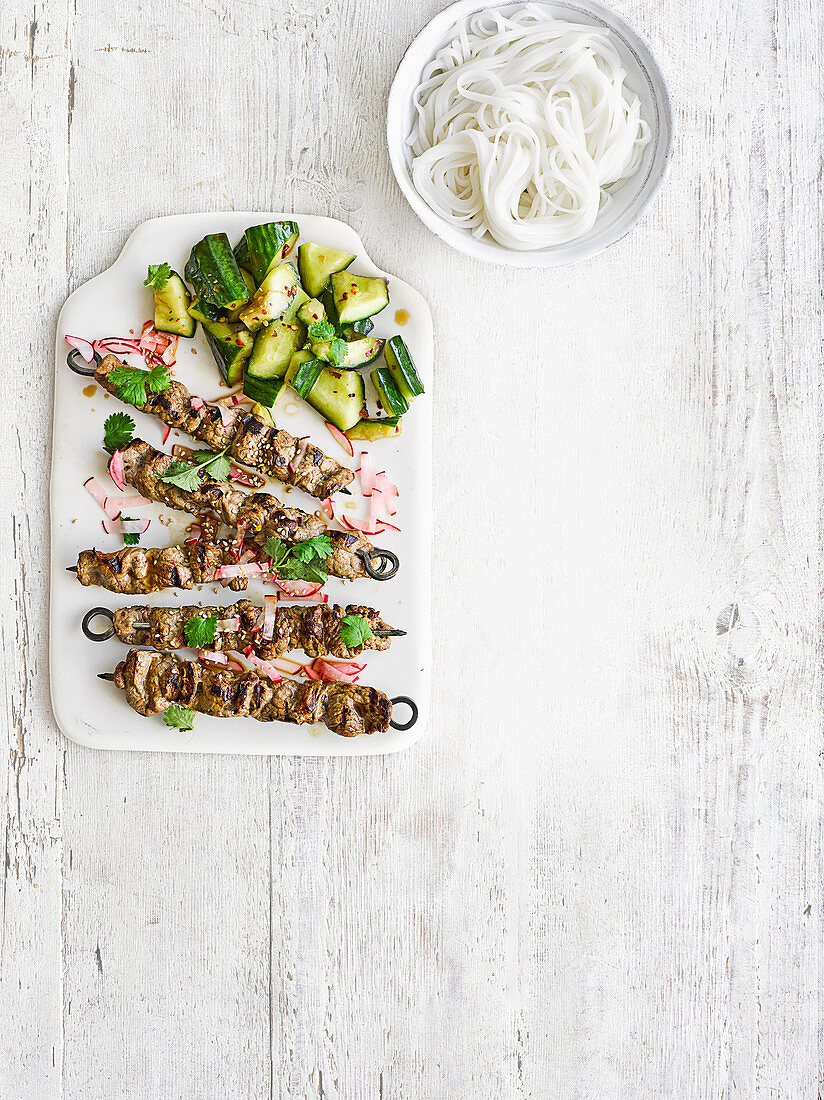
255	513
314	628
155	681
248	439
138	570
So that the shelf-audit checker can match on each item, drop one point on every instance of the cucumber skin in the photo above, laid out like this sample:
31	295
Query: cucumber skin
391	399
263	390
241	251
357	329
304	375
205	311
268	243
231	368
234	314
214	273
402	368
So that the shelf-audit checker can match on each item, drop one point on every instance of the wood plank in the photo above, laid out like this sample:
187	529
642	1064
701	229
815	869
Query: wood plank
32	257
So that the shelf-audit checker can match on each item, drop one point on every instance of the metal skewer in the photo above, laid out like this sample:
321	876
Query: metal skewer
413	717
78	364
93	635
378	574
103	636
388	563
398	699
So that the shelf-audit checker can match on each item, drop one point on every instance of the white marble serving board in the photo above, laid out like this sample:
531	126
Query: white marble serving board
94	712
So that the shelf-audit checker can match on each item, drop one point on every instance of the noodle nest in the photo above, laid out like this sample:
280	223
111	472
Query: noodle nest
523	127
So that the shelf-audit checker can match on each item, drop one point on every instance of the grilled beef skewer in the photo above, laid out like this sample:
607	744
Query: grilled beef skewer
249	441
138	570
155	681
315	628
254	513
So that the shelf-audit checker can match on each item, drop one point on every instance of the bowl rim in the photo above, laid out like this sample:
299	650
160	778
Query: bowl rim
486	249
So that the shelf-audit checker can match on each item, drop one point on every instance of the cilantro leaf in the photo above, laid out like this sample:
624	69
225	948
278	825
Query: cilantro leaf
182	475
337	351
179	718
158	378
159	275
318	547
305	561
117	431
321	330
131	382
200	632
275	549
186	475
217	467
354	630
315	571
293	569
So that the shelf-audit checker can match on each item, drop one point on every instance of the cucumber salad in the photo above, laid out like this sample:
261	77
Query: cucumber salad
273	325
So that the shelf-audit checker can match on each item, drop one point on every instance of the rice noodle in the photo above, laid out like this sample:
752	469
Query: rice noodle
523	125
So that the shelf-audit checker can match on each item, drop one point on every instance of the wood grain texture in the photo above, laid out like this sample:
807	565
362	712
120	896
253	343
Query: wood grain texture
600	875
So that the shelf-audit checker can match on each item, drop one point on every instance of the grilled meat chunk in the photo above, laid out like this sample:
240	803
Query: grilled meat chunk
314	628
136	570
155	681
250	441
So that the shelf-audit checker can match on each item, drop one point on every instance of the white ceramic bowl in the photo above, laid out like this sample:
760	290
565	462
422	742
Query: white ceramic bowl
630	200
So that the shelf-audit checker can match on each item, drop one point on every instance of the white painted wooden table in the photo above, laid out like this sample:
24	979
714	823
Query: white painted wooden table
600	875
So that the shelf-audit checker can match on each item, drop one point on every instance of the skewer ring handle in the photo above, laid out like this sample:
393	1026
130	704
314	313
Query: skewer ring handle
384	568
413	706
93	635
76	362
